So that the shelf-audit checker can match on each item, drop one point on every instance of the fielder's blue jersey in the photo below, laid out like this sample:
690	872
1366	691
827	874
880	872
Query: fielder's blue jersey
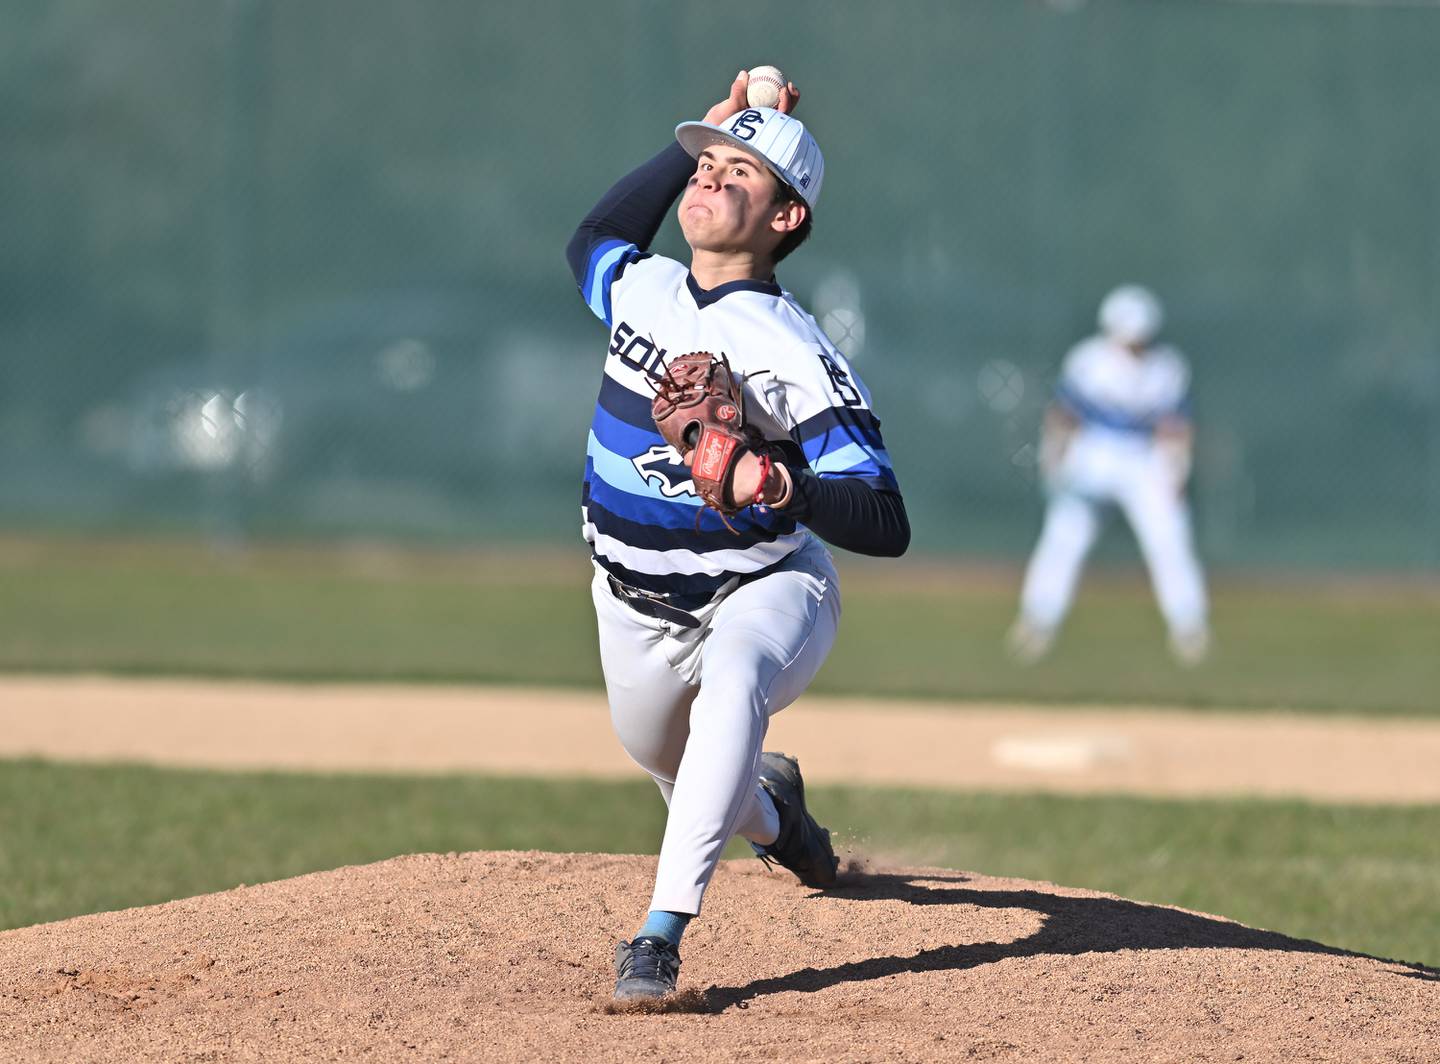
639	506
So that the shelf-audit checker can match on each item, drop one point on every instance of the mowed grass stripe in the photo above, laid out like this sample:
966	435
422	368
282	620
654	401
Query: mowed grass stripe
80	839
910	628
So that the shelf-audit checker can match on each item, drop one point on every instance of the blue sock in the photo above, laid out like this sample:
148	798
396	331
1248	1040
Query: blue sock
667	925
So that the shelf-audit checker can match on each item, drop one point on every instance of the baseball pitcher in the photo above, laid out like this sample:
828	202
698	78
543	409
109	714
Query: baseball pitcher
728	435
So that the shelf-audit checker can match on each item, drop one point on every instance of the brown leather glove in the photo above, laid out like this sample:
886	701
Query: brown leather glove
699	408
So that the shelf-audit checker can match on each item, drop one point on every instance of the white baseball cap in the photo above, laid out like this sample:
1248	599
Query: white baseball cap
1131	315
782	142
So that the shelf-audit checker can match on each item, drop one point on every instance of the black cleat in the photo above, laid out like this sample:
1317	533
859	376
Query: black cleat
802	846
645	968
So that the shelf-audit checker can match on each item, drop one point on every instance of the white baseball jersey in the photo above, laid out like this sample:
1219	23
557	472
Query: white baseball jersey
1110	390
1118	399
639	506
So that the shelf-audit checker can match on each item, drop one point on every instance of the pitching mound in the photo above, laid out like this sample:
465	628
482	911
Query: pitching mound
506	956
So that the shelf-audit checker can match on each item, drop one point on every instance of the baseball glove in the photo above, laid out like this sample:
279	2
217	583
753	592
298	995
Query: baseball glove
699	408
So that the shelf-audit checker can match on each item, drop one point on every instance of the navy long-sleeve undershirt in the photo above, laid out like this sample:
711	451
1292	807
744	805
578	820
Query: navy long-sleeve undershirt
850	514
633	209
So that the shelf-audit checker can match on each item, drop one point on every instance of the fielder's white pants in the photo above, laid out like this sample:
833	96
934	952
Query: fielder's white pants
1134	477
691	706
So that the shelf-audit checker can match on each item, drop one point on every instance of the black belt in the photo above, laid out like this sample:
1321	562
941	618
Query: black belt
648	604
652	604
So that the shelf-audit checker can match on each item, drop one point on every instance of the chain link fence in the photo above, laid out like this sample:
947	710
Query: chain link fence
296	269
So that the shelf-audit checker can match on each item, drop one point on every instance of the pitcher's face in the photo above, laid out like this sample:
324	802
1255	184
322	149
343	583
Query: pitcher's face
730	204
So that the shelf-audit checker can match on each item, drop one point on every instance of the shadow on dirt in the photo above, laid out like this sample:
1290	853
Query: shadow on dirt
1071	926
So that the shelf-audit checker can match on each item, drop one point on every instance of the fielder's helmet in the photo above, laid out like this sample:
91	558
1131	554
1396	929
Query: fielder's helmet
1131	315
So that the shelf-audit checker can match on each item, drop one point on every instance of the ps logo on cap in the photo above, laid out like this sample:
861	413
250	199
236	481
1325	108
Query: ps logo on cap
779	140
744	124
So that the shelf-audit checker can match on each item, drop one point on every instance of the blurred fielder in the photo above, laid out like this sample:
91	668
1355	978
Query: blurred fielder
1118	433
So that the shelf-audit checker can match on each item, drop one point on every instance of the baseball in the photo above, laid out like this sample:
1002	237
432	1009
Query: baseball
764	87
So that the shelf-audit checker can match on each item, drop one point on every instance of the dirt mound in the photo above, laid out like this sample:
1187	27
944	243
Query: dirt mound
506	956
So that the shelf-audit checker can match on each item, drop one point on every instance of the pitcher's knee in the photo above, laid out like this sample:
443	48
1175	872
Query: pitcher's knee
657	752
727	703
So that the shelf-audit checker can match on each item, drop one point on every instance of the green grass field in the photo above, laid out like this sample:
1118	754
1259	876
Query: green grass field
82	839
909	629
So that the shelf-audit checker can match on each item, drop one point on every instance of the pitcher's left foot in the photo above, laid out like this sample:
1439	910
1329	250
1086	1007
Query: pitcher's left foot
645	968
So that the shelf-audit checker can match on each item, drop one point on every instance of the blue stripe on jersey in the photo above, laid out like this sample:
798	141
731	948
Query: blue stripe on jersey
607	258
854	421
619	472
621	437
713	535
623	425
853	460
1092	413
677	513
843	441
601	255
624	405
659	510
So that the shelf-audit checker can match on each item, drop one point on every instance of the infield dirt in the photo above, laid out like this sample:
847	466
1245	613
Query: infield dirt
528	731
507	956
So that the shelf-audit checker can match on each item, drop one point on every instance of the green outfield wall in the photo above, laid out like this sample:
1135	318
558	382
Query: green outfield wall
295	267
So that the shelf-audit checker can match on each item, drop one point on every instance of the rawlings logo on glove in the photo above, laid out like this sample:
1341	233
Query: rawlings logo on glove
700	410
